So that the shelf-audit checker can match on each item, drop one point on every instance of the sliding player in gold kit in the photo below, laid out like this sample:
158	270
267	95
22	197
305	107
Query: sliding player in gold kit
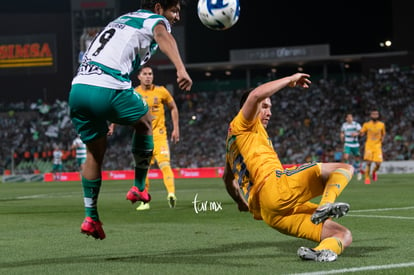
256	180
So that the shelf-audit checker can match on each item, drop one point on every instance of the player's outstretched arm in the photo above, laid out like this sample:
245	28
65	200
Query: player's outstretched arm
251	108
168	46
233	189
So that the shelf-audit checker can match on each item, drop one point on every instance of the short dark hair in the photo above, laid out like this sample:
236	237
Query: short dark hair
244	97
165	4
143	67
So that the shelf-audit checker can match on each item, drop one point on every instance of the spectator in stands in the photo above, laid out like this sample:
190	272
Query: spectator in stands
358	93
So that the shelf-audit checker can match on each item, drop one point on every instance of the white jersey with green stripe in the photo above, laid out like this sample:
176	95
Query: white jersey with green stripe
80	148
122	47
349	130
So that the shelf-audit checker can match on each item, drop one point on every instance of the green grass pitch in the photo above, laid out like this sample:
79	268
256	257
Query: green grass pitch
40	224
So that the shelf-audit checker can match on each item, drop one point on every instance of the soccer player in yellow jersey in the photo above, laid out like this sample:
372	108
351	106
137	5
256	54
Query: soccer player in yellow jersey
256	180
375	134
157	97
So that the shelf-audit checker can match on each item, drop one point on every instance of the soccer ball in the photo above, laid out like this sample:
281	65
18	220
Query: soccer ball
218	15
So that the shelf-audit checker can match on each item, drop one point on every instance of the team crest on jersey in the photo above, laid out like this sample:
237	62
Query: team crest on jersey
164	150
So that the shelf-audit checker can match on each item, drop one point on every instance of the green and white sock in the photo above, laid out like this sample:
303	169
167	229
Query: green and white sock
91	190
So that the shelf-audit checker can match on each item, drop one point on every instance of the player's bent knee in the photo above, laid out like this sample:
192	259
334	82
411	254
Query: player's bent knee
346	166
334	229
350	168
345	235
328	168
144	125
347	238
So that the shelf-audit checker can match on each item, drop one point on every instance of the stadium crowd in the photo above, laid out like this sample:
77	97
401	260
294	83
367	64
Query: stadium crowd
305	125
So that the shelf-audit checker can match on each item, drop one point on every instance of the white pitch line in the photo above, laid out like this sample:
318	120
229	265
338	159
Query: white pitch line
48	196
32	197
383	209
382	217
357	269
351	213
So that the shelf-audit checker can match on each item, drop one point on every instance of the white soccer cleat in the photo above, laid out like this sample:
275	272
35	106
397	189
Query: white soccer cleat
324	255
330	210
172	200
143	206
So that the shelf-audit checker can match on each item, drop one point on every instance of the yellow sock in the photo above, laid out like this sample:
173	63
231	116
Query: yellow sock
147	184
367	171
168	176
333	244
337	181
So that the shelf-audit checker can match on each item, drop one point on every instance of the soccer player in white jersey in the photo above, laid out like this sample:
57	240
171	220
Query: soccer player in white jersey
349	136
80	148
57	162
102	91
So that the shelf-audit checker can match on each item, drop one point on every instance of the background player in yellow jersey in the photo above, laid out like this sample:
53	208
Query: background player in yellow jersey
255	178
157	97
375	134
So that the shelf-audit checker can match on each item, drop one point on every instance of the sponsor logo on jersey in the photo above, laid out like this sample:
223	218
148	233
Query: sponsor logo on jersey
87	69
